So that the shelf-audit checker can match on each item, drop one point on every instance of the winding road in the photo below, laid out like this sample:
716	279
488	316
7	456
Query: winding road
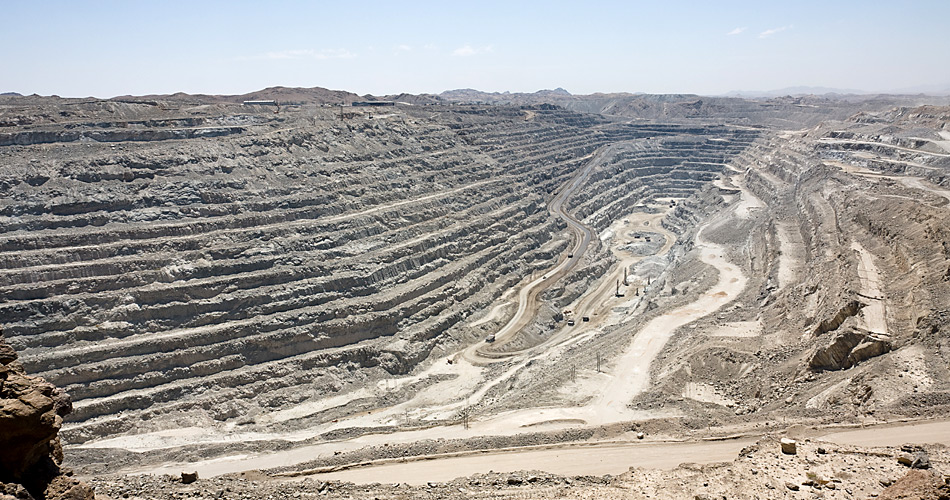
528	295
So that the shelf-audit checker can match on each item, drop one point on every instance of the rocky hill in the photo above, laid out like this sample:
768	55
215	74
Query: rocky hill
287	95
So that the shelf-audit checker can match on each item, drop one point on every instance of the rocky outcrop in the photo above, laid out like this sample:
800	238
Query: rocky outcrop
830	324
847	349
31	413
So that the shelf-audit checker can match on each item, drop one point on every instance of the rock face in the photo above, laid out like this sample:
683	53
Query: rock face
31	413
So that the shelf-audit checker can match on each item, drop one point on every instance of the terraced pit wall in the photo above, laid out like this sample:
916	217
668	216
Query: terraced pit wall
179	274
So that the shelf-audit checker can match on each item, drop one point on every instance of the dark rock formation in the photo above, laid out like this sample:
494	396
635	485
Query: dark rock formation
850	309
31	413
847	349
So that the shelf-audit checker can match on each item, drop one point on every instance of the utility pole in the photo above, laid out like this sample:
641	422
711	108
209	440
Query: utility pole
625	277
573	373
466	412
598	362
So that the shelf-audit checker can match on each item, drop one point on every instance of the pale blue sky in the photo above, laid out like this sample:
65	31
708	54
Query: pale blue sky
108	48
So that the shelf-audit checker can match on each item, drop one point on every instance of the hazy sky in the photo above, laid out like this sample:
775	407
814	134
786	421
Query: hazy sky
86	48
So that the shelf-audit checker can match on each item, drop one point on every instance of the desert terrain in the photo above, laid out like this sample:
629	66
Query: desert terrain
475	295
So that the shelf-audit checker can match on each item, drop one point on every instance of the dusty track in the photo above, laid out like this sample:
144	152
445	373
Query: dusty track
528	294
615	458
597	459
882	145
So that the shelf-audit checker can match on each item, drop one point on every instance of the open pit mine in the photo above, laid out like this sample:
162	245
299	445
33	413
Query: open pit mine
474	295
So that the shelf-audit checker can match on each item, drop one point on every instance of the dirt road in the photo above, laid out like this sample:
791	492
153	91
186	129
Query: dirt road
594	460
894	435
528	295
828	140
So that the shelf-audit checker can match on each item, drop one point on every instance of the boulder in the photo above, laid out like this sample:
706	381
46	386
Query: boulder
872	346
914	456
189	477
789	446
11	491
847	349
28	420
68	488
850	309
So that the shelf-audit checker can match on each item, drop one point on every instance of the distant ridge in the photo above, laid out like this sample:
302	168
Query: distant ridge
317	95
794	92
933	90
478	95
11	94
938	90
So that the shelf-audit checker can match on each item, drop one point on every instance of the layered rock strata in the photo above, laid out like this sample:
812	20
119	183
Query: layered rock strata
173	269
